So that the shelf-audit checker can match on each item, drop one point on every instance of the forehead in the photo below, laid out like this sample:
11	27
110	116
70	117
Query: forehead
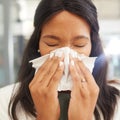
67	20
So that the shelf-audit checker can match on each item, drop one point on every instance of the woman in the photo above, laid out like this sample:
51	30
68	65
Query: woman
61	23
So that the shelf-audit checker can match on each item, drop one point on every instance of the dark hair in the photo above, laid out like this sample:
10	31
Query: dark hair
45	10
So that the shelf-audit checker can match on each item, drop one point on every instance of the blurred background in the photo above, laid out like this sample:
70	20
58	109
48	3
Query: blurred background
16	26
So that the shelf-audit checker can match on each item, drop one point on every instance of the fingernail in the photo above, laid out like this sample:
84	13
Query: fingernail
79	58
51	55
72	63
59	54
61	64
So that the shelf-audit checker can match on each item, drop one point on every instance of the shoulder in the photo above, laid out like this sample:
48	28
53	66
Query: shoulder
6	88
5	95
7	91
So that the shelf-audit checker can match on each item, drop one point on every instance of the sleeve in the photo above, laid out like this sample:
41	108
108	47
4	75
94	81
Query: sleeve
5	94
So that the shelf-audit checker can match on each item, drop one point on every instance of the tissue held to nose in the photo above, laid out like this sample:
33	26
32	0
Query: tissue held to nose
66	81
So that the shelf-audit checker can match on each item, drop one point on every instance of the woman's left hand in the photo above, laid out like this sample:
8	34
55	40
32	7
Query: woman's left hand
84	93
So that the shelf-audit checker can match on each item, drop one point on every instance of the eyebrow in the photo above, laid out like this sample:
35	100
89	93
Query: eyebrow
80	37
58	38
52	36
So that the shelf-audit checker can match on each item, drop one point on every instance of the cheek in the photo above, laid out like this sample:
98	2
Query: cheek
88	49
43	49
85	50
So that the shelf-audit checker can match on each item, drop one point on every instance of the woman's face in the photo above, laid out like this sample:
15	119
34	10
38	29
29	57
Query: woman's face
65	30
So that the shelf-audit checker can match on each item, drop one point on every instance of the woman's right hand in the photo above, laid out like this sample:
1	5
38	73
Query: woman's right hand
43	89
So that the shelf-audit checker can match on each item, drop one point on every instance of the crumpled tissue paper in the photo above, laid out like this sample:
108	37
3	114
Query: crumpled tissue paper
66	81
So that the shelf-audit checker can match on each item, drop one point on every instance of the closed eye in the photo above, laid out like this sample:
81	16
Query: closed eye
79	45
52	45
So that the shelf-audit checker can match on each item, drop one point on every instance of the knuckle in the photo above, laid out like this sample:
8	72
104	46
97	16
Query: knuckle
59	70
95	91
86	94
75	77
42	68
41	91
30	85
48	72
56	61
45	94
32	90
55	77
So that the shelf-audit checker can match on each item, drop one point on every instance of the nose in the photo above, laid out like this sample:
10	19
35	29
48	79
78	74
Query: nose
66	45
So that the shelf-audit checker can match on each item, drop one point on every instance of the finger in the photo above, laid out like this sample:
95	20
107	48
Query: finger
76	61
43	69
87	74
82	78
79	83
46	69
75	75
39	71
92	88
57	77
49	73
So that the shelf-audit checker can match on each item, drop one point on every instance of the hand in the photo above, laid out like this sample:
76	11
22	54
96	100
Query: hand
84	93
43	89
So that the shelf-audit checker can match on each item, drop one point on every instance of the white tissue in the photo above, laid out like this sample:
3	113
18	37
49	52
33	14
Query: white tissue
66	81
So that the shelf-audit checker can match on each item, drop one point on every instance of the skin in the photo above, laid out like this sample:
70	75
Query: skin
64	30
